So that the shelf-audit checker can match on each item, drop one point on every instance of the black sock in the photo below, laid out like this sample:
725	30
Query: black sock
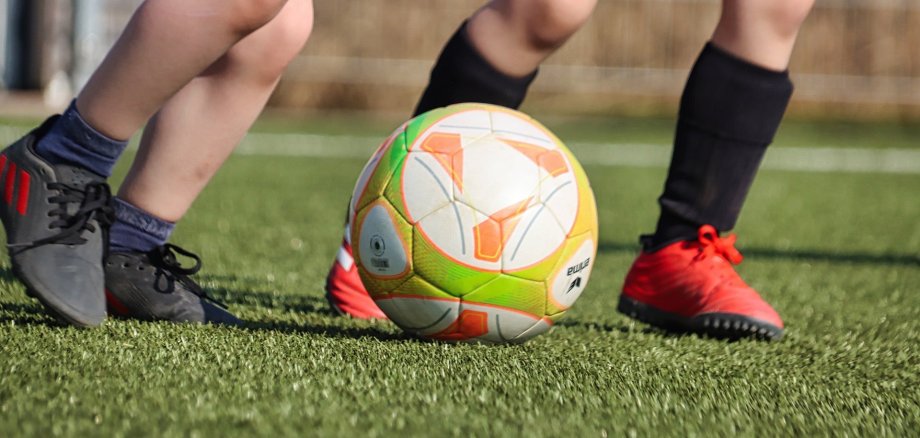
461	74
729	113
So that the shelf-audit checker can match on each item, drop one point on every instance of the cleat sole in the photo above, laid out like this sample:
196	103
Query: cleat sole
716	325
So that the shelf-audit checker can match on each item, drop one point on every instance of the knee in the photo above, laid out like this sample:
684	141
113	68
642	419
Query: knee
784	17
549	23
287	35
248	15
273	47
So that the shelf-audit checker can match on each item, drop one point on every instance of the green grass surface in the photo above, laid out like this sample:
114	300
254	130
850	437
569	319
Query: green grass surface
795	133
837	254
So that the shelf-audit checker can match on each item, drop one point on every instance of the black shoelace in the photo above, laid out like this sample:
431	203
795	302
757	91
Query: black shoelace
95	202
164	258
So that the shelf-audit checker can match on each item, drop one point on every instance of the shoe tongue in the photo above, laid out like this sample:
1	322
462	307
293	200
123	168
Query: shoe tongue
75	176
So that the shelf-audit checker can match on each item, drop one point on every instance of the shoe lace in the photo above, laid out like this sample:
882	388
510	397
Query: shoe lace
95	202
164	258
711	244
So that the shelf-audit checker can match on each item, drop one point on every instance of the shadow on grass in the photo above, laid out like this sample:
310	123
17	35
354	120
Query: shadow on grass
836	257
34	314
648	330
329	330
623	328
6	275
791	254
28	314
309	305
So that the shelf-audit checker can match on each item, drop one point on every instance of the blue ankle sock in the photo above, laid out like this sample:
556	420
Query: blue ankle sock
135	230
72	141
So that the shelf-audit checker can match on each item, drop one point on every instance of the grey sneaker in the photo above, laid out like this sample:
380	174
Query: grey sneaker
154	286
56	219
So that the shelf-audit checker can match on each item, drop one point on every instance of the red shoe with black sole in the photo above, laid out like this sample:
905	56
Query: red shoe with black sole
692	287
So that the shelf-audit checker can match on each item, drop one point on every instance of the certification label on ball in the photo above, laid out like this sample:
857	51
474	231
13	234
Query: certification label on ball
381	251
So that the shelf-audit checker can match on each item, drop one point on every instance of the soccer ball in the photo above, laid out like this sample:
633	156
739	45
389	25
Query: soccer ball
473	223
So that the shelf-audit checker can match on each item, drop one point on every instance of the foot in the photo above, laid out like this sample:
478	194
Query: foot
154	286
691	286
56	219
344	290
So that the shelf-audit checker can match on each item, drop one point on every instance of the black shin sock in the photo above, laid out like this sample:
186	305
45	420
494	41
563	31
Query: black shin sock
729	113
461	74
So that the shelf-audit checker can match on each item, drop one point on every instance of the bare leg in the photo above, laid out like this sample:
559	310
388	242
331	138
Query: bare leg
166	44
197	129
515	36
762	32
185	143
494	55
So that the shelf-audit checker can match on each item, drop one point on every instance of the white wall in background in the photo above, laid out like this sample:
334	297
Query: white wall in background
3	18
97	24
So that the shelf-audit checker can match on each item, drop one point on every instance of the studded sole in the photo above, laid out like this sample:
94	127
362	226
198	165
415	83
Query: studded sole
717	325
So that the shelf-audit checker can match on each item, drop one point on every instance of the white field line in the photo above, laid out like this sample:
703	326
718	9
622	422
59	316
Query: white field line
804	159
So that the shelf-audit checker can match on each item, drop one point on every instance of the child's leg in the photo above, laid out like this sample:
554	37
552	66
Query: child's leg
494	55
182	147
761	32
165	45
191	136
730	110
515	36
492	58
56	227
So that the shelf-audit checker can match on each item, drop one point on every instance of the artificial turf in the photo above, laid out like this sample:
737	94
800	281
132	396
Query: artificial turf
837	254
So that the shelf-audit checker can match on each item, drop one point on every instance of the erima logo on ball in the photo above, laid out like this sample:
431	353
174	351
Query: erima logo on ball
575	283
579	267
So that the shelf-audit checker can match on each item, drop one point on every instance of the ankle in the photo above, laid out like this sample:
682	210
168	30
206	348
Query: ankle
71	140
136	230
670	229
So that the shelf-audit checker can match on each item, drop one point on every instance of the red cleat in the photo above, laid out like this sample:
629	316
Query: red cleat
691	286
344	290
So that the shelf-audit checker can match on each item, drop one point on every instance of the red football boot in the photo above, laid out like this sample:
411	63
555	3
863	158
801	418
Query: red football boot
691	286
344	290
